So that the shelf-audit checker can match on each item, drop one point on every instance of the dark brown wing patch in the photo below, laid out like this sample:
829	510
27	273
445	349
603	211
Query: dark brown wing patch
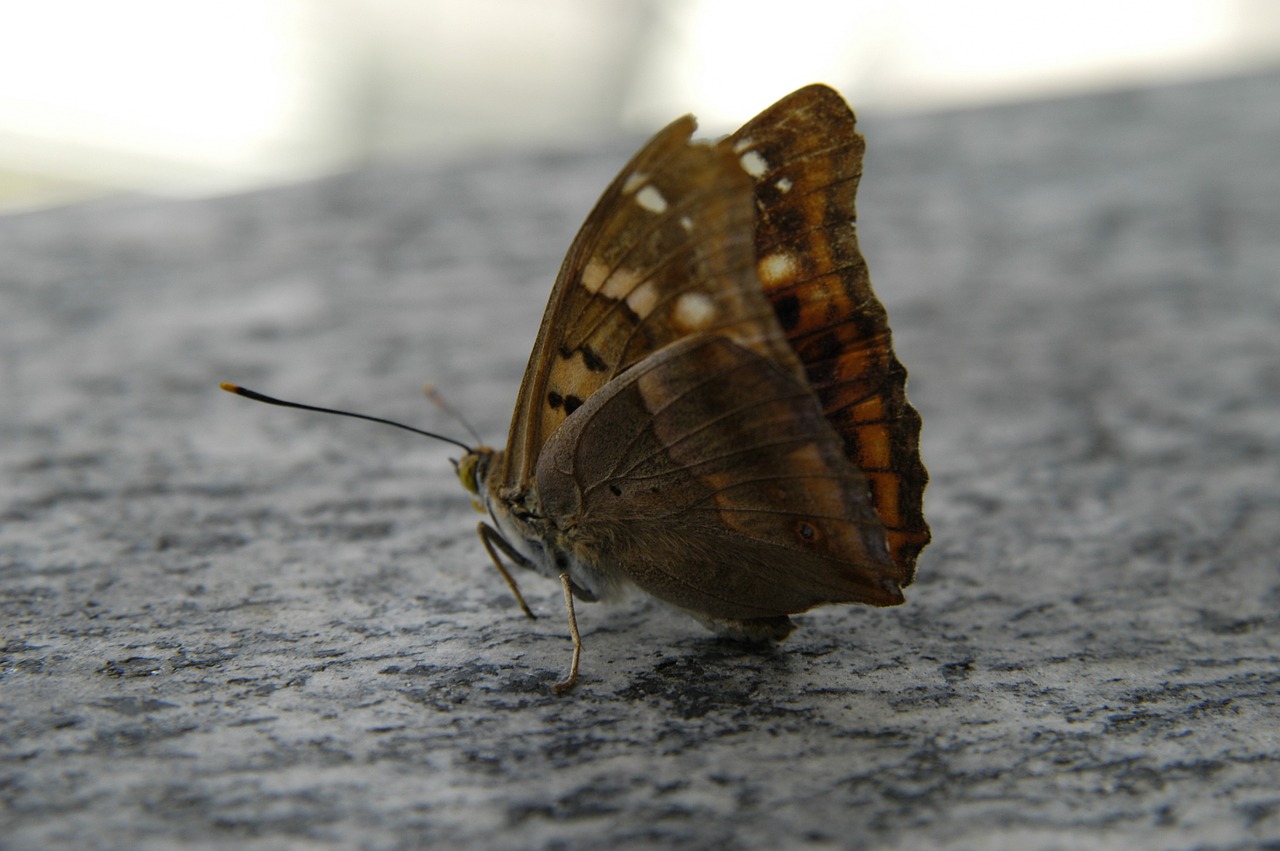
805	158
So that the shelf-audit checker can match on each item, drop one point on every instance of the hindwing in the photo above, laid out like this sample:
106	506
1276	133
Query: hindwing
708	476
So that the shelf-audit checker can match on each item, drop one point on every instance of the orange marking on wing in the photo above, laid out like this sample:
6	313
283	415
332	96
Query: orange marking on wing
825	303
873	448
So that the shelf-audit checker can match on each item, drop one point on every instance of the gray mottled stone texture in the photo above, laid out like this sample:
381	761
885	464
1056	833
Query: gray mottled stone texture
226	625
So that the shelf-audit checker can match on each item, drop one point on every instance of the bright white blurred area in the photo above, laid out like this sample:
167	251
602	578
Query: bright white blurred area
184	97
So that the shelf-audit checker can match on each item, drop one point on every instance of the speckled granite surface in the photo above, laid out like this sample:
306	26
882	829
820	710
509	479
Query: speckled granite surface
229	625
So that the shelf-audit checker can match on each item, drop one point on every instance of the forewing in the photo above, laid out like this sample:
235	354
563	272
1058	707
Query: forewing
668	251
805	157
709	477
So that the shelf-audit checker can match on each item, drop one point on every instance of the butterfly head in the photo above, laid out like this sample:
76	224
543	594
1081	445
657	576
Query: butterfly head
473	471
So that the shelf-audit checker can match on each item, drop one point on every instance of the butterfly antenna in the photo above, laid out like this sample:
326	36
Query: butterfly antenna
433	395
271	400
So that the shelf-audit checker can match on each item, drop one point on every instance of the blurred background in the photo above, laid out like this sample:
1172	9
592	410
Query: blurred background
189	97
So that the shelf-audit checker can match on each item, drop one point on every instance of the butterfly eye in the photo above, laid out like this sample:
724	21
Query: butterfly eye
468	467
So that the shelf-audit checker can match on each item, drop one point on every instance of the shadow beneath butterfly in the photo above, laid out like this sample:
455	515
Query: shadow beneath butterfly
715	675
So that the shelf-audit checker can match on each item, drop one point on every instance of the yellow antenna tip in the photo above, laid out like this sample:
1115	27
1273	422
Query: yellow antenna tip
229	387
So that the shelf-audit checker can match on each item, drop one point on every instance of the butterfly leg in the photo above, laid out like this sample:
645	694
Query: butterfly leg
572	679
490	538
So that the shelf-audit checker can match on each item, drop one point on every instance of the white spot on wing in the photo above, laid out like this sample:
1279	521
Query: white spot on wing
597	278
741	145
642	299
753	164
784	185
634	182
620	283
686	223
693	311
776	268
651	199
594	274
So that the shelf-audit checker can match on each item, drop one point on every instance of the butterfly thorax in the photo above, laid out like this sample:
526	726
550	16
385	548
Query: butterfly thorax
549	546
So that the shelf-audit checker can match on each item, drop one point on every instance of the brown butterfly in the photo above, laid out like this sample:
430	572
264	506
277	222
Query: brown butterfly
712	411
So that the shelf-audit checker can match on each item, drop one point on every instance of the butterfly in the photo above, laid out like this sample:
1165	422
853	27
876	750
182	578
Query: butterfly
712	411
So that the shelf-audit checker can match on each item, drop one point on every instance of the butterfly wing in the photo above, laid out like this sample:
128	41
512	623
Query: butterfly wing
804	155
668	251
709	477
712	408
